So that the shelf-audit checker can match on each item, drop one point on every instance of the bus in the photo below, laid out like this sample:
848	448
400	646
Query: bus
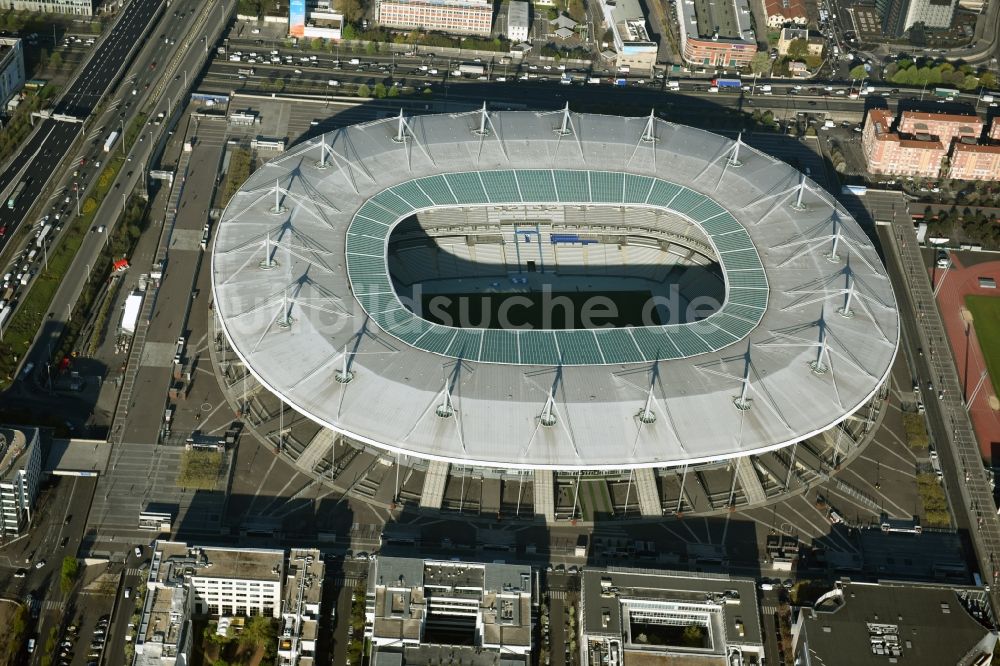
35	84
12	201
948	93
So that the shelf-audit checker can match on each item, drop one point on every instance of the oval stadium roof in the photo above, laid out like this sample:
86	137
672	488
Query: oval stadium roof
807	333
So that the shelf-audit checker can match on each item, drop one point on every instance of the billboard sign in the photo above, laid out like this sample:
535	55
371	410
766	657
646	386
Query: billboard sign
297	18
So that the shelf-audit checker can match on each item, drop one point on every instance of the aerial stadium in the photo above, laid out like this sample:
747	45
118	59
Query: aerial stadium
552	314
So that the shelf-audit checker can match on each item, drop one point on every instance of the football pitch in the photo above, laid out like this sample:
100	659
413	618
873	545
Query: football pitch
986	320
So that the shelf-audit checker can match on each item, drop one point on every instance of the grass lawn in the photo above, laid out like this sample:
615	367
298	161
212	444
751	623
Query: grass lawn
199	469
986	319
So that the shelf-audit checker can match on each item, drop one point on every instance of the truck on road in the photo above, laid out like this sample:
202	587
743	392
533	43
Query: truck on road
471	70
42	234
109	144
947	93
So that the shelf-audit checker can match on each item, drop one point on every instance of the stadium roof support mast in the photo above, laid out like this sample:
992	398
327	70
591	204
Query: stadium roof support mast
278	209
405	137
344	375
846	311
566	128
487	128
799	191
323	149
268	263
647	138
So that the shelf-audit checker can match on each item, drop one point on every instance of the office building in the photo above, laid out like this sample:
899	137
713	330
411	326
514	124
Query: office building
188	581
303	591
785	12
459	17
11	68
642	616
20	471
79	7
716	34
635	50
898	16
419	611
518	21
868	624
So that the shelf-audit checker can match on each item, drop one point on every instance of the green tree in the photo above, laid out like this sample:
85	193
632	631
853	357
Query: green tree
394	91
797	49
760	63
364	91
380	90
89	205
694	636
56	60
970	83
68	573
371	48
859	72
316	44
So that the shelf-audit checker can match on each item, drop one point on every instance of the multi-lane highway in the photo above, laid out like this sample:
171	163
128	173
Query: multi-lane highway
49	145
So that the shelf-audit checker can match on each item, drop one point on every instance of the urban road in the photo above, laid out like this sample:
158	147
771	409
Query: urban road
45	150
190	57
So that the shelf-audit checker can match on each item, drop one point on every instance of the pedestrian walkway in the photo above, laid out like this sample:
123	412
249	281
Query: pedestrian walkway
976	489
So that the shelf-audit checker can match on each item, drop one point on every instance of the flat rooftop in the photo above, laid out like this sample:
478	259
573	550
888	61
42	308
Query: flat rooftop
14	446
243	563
730	19
928	625
604	591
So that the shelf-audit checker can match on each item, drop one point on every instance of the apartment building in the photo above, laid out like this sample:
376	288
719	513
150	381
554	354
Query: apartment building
921	141
888	153
785	12
419	611
459	17
716	34
788	35
971	161
20	473
947	127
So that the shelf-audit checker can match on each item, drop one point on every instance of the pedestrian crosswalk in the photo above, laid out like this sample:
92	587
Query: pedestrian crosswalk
138	573
769	609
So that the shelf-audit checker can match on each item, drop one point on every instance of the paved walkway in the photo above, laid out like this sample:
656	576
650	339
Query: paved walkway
953	286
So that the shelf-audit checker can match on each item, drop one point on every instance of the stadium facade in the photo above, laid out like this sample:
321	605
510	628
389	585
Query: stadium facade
323	259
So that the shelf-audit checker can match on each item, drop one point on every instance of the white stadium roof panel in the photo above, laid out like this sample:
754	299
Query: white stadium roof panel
327	290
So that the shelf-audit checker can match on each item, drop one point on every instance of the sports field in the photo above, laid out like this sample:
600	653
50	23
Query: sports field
541	310
986	319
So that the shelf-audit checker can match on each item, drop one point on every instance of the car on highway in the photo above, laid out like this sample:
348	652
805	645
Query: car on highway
20	573
128	592
138	551
39	564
